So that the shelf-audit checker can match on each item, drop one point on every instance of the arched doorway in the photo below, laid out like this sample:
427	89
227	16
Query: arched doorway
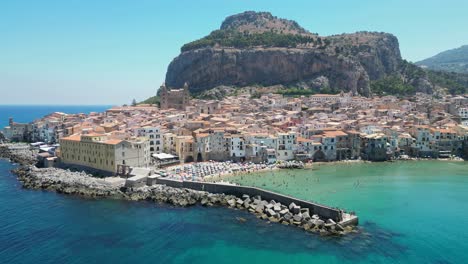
199	157
319	156
189	159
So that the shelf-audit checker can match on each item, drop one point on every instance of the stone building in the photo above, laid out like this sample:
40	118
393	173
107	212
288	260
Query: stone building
375	147
98	152
174	98
17	131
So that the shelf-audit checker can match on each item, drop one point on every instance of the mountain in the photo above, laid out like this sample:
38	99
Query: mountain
258	49
455	60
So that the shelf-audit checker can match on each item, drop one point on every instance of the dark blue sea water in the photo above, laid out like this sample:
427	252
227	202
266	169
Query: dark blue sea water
27	113
45	227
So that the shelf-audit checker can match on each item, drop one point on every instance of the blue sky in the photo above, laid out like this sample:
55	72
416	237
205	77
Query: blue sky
111	51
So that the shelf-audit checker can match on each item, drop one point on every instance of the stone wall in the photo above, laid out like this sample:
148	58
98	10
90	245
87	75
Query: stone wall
321	210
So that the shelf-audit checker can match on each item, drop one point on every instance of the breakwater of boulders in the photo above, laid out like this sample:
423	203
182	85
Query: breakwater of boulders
86	185
80	183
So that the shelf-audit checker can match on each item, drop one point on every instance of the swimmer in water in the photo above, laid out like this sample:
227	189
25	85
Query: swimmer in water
357	183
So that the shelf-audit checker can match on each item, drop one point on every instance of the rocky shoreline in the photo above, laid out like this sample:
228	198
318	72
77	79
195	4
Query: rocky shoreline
82	184
18	153
85	185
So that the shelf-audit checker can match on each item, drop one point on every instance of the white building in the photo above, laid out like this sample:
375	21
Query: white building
423	138
463	112
153	134
344	98
287	145
236	146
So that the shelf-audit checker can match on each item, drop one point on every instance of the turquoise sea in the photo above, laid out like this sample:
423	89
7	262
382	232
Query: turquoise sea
416	210
410	212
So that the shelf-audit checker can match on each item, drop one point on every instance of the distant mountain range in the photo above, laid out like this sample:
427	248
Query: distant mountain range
455	60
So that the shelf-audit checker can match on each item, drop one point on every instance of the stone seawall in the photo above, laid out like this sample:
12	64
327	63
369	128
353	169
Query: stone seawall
318	209
190	193
280	208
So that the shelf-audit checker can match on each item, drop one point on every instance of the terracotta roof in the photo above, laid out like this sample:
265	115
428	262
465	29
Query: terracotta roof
336	133
112	141
94	135
76	137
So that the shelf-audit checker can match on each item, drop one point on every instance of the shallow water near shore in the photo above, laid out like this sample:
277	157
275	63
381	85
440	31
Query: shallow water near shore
424	202
410	212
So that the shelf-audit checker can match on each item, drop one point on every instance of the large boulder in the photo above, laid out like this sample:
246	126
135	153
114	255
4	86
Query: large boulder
259	208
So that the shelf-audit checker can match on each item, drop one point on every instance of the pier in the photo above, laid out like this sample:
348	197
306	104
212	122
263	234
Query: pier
323	211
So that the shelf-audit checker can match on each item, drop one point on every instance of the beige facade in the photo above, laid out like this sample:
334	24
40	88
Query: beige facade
96	151
185	148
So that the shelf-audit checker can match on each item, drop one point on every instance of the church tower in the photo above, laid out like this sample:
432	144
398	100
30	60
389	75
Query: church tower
163	96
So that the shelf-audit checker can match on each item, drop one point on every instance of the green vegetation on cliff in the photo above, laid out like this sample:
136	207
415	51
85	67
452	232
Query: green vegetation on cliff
295	92
392	85
405	81
235	39
151	100
456	83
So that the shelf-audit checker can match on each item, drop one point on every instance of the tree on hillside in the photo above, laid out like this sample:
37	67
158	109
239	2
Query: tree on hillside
134	102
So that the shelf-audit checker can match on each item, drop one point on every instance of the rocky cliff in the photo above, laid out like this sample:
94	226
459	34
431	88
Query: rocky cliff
259	49
210	67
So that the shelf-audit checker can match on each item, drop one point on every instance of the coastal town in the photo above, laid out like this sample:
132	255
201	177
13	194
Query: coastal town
233	132
246	130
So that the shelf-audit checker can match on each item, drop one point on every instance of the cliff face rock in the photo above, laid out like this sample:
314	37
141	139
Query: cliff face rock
378	53
210	67
259	49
